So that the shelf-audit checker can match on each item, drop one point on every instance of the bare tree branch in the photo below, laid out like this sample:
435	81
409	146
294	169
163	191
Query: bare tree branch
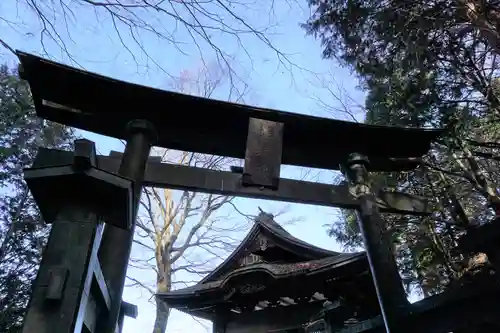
177	24
136	282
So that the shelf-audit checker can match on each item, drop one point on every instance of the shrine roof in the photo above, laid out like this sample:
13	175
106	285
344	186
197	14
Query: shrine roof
275	271
103	105
346	273
287	266
265	224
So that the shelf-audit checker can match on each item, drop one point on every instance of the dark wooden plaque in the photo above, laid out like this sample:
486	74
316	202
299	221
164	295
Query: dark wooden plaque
263	153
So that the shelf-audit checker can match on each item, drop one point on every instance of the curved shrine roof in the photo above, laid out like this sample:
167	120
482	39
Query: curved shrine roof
308	261
276	271
265	224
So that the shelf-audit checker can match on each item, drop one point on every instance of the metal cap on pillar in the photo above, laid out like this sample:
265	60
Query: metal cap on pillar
357	173
143	127
356	158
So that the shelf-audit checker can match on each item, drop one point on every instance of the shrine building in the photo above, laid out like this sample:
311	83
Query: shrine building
275	282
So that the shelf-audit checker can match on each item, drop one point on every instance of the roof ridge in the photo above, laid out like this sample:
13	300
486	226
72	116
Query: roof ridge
266	220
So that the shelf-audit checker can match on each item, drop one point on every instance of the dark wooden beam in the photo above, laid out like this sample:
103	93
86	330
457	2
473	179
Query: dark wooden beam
209	126
126	310
129	310
228	183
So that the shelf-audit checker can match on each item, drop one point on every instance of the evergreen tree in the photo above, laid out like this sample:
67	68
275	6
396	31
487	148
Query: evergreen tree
22	231
426	64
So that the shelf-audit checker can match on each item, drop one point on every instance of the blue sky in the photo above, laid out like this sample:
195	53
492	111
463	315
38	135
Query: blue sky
272	83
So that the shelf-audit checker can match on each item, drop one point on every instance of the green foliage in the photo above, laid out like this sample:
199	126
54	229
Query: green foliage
415	58
423	64
346	231
22	231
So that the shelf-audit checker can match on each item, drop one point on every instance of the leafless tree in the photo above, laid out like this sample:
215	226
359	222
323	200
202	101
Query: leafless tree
188	232
172	23
183	234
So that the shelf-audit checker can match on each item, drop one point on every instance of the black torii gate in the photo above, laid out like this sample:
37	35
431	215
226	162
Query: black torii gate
92	200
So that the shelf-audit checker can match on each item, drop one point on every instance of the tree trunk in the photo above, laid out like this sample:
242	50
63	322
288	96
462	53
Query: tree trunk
162	285
162	314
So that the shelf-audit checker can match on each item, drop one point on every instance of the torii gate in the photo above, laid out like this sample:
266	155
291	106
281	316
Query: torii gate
92	200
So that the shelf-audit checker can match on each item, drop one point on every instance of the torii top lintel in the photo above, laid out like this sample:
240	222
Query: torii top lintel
103	105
